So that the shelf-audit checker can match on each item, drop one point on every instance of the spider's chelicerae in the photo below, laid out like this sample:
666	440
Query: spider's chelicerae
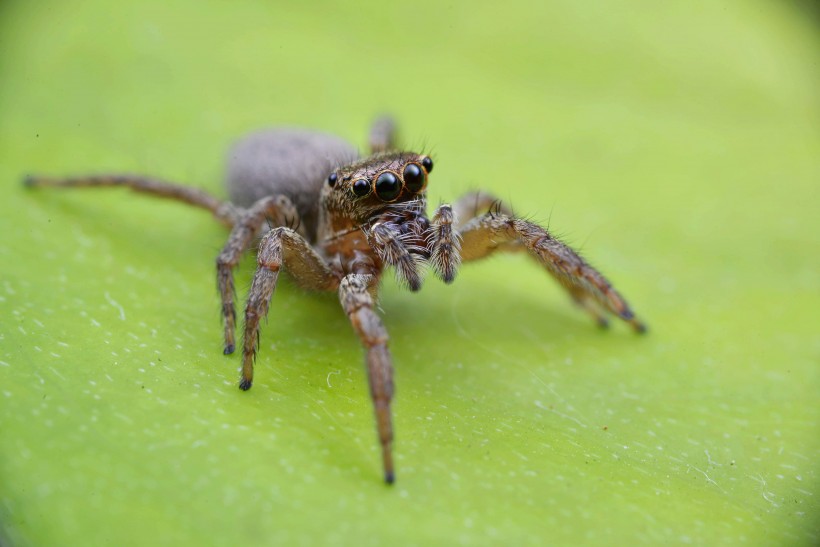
335	221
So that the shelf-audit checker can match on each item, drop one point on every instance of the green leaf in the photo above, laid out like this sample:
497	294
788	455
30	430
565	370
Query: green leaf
675	143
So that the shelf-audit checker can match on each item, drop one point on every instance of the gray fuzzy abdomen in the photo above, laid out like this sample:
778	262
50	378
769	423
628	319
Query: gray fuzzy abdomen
293	162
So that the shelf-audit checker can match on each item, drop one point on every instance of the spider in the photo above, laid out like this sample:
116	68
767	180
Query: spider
335	221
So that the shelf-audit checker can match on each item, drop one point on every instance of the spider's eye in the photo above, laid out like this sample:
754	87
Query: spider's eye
413	177
427	163
361	188
331	180
388	186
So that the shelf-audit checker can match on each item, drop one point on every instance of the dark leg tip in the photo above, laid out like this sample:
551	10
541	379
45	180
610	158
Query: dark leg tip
29	181
415	285
603	323
448	277
245	384
628	316
228	349
389	477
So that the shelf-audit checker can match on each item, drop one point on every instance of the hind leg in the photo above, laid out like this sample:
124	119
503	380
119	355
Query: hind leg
383	135
222	210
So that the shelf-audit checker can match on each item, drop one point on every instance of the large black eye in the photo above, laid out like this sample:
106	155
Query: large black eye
388	186
413	177
331	180
361	188
427	163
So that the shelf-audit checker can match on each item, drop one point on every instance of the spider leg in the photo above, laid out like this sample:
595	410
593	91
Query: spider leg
222	210
280	247
498	231
389	243
279	211
445	244
383	135
358	305
588	304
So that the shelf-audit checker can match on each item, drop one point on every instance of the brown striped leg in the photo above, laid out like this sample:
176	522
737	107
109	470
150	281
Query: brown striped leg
358	305
281	247
280	211
485	234
445	245
223	211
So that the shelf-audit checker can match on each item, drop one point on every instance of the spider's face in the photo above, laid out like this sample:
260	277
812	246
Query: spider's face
373	184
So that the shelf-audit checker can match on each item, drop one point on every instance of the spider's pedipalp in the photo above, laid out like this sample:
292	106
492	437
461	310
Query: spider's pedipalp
357	302
388	242
445	244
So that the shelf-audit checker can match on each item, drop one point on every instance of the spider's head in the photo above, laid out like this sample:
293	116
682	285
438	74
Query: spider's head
378	183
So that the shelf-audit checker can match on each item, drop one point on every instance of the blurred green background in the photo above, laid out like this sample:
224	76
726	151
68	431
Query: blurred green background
676	143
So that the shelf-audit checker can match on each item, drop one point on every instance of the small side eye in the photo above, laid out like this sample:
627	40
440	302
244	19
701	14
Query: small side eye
413	177
427	163
388	186
331	180
361	188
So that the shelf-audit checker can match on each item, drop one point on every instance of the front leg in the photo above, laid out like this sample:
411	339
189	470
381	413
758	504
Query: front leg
280	211
358	305
497	231
280	247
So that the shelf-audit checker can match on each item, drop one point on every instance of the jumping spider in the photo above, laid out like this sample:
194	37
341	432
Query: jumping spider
335	221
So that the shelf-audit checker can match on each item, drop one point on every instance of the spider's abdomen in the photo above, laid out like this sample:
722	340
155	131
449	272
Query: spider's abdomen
289	161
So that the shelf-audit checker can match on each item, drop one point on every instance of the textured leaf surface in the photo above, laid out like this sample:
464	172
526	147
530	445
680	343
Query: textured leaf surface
677	144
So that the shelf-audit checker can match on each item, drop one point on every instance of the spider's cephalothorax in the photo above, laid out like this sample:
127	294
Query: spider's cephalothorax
335	221
373	212
362	188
